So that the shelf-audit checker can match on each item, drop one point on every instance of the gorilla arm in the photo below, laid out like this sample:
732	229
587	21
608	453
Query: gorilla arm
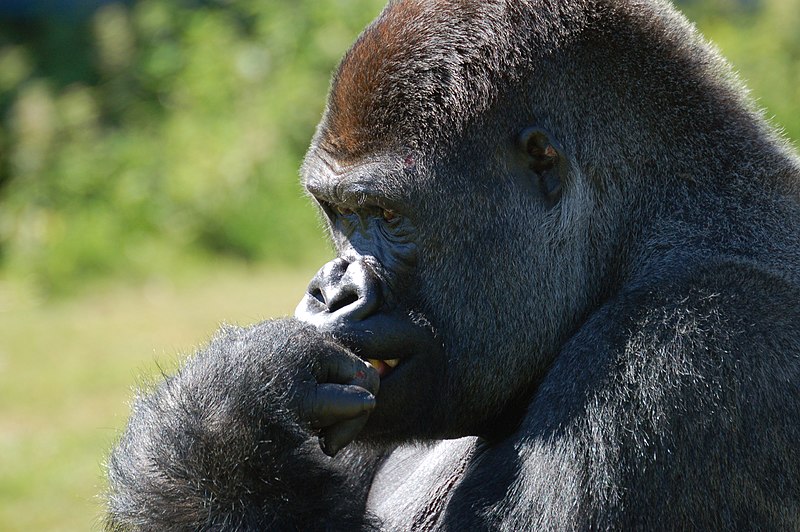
226	441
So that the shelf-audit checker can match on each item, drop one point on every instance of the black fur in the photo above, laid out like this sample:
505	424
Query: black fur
215	447
580	239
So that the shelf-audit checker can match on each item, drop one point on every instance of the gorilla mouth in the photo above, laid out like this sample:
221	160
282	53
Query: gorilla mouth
384	367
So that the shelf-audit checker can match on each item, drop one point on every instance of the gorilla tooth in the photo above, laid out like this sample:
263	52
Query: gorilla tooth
384	367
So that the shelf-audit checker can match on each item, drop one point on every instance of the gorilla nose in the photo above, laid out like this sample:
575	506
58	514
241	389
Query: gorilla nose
340	292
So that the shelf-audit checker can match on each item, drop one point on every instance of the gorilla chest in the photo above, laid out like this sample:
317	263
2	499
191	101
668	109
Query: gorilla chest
413	487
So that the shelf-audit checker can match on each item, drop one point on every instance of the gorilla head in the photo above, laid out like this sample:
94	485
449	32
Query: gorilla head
483	192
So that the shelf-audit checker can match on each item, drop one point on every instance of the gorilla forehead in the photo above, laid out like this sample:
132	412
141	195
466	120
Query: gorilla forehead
427	70
427	66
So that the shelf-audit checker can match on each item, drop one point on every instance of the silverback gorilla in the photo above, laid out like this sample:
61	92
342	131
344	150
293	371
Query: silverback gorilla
567	296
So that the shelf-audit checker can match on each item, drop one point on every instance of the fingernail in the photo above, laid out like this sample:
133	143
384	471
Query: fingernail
328	448
369	402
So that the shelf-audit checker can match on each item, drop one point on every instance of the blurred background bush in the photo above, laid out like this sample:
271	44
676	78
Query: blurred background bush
143	133
142	139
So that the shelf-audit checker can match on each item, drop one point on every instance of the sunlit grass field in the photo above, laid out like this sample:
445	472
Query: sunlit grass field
67	370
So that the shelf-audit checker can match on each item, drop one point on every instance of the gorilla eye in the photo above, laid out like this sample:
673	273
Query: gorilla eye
389	216
343	211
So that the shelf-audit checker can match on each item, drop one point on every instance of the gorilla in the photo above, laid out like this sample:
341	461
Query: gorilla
566	297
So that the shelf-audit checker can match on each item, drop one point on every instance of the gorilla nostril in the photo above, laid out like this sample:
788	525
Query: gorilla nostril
317	294
341	300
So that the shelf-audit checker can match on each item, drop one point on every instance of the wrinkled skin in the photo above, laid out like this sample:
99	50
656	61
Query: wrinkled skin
565	297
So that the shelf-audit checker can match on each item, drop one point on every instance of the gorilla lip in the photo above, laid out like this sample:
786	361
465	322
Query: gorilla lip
384	367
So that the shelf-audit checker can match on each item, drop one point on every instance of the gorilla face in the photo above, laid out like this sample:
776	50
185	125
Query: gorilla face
370	296
456	276
434	266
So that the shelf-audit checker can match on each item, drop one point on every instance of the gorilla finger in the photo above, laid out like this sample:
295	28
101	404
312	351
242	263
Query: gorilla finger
366	377
336	437
339	369
332	403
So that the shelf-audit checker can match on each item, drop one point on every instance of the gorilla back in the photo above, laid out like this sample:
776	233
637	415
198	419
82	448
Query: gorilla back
565	297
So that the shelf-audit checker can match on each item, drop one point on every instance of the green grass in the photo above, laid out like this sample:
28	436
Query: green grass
67	370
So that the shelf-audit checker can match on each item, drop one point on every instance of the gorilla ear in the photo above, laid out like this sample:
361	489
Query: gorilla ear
546	159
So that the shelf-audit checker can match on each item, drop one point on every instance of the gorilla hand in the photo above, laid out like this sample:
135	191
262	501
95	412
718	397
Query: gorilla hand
337	397
225	442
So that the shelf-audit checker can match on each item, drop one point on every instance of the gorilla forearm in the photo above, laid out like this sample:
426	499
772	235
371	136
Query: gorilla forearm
218	445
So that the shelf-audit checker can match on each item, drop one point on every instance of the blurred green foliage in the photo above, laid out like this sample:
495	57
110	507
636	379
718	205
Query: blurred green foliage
164	129
761	38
